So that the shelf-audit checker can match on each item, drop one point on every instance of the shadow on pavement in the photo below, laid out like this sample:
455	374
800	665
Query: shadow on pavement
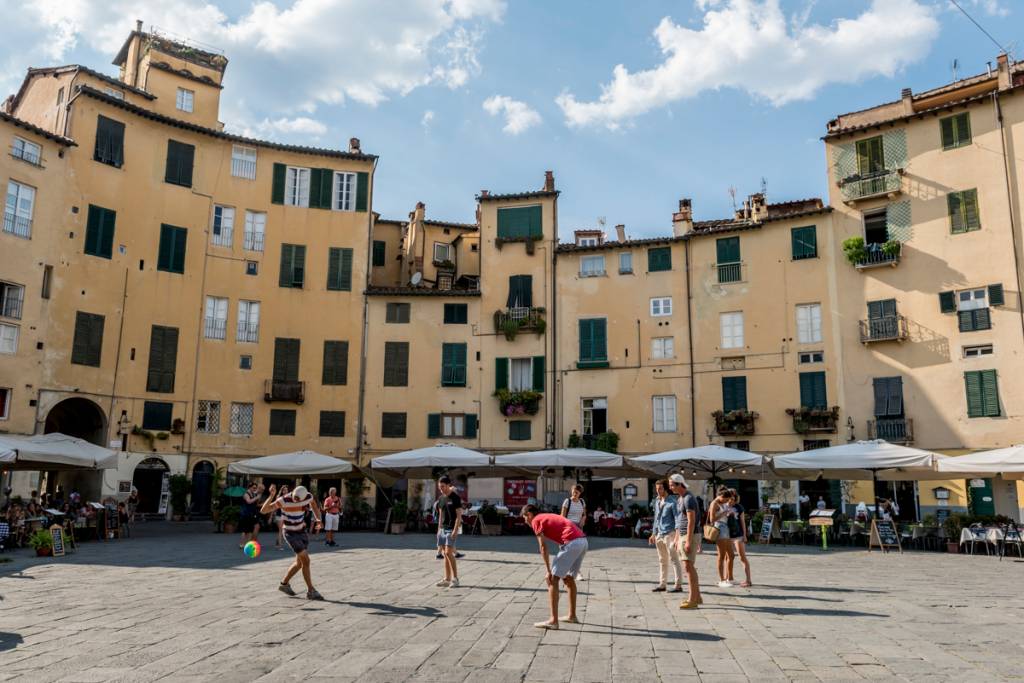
9	641
798	611
826	589
383	610
650	633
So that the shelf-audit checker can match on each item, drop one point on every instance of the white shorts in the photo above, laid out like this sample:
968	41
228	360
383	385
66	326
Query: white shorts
331	522
569	558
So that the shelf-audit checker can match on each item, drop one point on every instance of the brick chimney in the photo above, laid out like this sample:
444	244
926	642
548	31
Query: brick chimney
758	207
907	97
620	232
682	220
353	146
1003	71
549	181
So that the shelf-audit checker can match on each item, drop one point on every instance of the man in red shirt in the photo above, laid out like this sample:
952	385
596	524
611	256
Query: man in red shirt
572	547
332	514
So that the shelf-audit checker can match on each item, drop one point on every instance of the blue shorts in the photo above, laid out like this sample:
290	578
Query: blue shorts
445	538
569	558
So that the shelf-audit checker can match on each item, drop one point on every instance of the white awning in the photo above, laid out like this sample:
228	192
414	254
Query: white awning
421	462
561	457
54	451
292	465
1008	462
859	460
703	462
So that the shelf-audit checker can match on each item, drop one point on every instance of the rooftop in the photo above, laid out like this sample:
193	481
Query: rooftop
177	48
419	291
59	139
536	194
451	224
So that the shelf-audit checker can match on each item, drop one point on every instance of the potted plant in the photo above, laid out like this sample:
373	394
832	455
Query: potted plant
42	542
399	516
574	440
514	403
607	442
734	421
229	516
892	248
953	525
180	488
855	250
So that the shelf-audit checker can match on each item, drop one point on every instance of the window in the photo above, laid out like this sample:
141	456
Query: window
223	225
171	254
806	357
805	243
241	419
442	252
979	350
109	142
245	362
335	371
243	162
11	298
255	226
396	364
593	343
215	323
458	425
521	222
982	393
813	444
252	267
286	359
248	322
592	241
21	200
625	262
163	359
99	232
456	314
9	339
812	390
972	310
729	267
870	155
157	415
734	393
591	266
888	393
808	323
180	158
185	100
282	422
296	187
519	430
955	131
595	416
661	306
44	292
520	291
659	258
208	417
5	403
26	151
116	94
731	325
332	423
392	425
344	191
876	227
87	346
663	347
379	253
293	266
520	374
453	365
664	413
963	211
339	269
397	313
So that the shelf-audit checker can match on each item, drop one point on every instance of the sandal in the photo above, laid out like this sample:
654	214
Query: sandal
746	584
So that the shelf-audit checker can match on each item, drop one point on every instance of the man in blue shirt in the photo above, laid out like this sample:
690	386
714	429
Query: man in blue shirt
663	537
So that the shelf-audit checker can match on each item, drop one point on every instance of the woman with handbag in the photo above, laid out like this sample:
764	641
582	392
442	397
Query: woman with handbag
718	533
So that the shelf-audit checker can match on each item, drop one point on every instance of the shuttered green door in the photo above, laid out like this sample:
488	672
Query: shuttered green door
538	373
379	251
180	158
286	359
339	269
453	365
982	393
593	343
888	396
163	359
734	393
500	373
171	252
99	232
812	390
293	265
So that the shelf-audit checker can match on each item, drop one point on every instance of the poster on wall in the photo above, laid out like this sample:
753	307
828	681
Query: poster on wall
519	492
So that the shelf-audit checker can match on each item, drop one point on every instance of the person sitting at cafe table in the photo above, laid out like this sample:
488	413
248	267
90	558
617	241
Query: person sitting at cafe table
618	513
599	514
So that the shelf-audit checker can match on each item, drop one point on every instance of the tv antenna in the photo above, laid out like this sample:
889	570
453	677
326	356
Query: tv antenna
764	188
732	194
955	65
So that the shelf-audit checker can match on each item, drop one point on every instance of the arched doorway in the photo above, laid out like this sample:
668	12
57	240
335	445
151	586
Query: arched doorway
78	417
202	487
148	479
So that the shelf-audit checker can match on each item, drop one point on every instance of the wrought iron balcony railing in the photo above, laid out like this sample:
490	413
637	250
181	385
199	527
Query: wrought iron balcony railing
886	328
884	182
892	429
289	391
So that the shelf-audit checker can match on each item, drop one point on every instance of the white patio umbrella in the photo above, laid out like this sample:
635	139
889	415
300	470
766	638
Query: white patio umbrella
421	462
54	451
297	464
600	463
706	462
1007	462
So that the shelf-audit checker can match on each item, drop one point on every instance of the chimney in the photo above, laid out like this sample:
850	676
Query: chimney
485	193
1003	69
549	181
138	25
620	232
907	97
353	146
758	207
682	220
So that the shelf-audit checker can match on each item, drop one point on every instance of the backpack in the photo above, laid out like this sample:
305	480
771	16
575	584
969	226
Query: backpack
567	503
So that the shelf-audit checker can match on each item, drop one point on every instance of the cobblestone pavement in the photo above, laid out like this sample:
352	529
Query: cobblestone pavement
188	606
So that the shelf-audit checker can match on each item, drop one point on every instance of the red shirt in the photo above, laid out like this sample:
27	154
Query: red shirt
332	504
556	528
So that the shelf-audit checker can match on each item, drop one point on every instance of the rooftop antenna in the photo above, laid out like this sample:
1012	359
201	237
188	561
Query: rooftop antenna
955	65
601	222
764	189
732	193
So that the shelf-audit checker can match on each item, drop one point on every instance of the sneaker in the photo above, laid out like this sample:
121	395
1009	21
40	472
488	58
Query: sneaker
454	583
658	589
285	588
459	555
439	556
313	594
443	583
725	584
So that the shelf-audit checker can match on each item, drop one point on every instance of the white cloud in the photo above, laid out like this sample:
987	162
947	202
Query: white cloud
518	115
300	126
993	8
752	45
428	118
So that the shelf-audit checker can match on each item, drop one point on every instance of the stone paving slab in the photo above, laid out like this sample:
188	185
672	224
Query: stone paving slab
177	603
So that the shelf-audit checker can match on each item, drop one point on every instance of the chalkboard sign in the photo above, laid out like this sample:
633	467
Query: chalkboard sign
884	535
57	536
769	529
113	521
941	516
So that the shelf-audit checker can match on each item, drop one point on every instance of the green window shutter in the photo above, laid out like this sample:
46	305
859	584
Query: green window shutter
805	242
332	423
335	370
286	359
453	365
298	266
874	310
106	240
971	215
586	340
433	425
947	302
948	133
87	345
316	189
965	321
963	129
538	373
178	257
728	250
180	158
521	221
500	373
379	251
188	157
345	276
880	385
171	253
172	163
600	339
285	278
812	390
157	415
277	188
734	393
972	385
455	314
995	295
109	147
362	190
895	406
163	257
658	259
93	230
339	269
396	364
470	426
982	319
956	221
989	393
163	359
519	430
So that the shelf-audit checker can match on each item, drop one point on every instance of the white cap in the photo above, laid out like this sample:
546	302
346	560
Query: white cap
299	492
677	479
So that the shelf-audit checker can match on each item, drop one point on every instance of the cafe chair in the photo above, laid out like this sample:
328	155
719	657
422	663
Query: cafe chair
977	535
5	535
1013	537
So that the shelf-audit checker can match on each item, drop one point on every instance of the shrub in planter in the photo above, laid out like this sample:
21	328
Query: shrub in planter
607	442
953	525
399	516
41	541
514	403
180	488
855	250
229	515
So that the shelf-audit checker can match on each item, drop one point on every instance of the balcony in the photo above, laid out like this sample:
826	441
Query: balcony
884	183
248	332
288	391
886	328
729	272
510	321
877	255
891	429
810	420
734	422
17	225
253	241
512	403
214	328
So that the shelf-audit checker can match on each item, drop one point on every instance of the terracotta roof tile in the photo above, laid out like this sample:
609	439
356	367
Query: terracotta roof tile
420	291
31	127
536	194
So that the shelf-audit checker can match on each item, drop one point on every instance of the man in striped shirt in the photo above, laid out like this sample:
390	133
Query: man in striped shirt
293	510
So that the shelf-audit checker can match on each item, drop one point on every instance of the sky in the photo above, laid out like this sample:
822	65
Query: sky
633	105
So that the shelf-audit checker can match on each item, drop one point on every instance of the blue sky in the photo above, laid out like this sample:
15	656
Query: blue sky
462	95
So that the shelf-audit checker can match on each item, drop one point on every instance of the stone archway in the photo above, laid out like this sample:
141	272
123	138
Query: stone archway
202	487
78	417
148	480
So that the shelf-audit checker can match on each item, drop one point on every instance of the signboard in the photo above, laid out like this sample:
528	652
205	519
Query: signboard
821	517
57	537
884	535
941	516
769	529
519	492
113	523
124	487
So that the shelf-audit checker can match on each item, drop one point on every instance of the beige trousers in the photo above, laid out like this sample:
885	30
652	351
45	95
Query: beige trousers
667	551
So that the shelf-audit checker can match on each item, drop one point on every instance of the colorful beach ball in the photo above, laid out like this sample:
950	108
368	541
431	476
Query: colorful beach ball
252	549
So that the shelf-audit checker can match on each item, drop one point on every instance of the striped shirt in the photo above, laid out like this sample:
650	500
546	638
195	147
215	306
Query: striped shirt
294	512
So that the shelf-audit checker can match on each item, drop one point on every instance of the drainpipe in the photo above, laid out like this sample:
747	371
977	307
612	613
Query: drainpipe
689	346
553	370
1009	200
364	341
117	361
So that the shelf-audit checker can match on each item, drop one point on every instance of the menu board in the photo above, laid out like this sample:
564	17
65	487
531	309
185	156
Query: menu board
768	529
519	492
884	535
57	537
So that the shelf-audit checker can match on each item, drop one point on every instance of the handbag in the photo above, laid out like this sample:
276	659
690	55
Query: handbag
710	533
